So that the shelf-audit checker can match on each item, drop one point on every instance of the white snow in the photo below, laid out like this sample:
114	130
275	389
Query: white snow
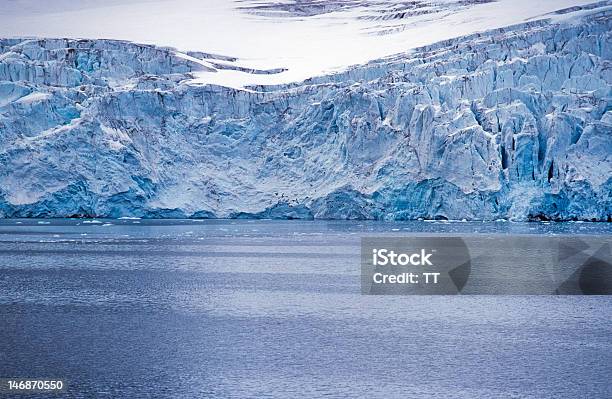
33	98
306	46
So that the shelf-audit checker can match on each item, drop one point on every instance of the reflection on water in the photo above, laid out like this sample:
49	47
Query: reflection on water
130	308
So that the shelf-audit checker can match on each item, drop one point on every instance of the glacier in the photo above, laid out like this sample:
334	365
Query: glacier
513	123
303	38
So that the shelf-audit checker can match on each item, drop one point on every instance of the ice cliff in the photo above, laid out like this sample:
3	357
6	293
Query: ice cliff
513	123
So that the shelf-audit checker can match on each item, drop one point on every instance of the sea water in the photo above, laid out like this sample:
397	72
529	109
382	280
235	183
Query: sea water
244	308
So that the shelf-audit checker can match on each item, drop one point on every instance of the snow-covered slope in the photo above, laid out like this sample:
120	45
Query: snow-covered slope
512	123
298	39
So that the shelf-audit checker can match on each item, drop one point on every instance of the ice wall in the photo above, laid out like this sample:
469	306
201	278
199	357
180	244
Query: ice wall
514	123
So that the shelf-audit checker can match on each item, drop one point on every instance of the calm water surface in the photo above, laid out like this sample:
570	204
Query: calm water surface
237	309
